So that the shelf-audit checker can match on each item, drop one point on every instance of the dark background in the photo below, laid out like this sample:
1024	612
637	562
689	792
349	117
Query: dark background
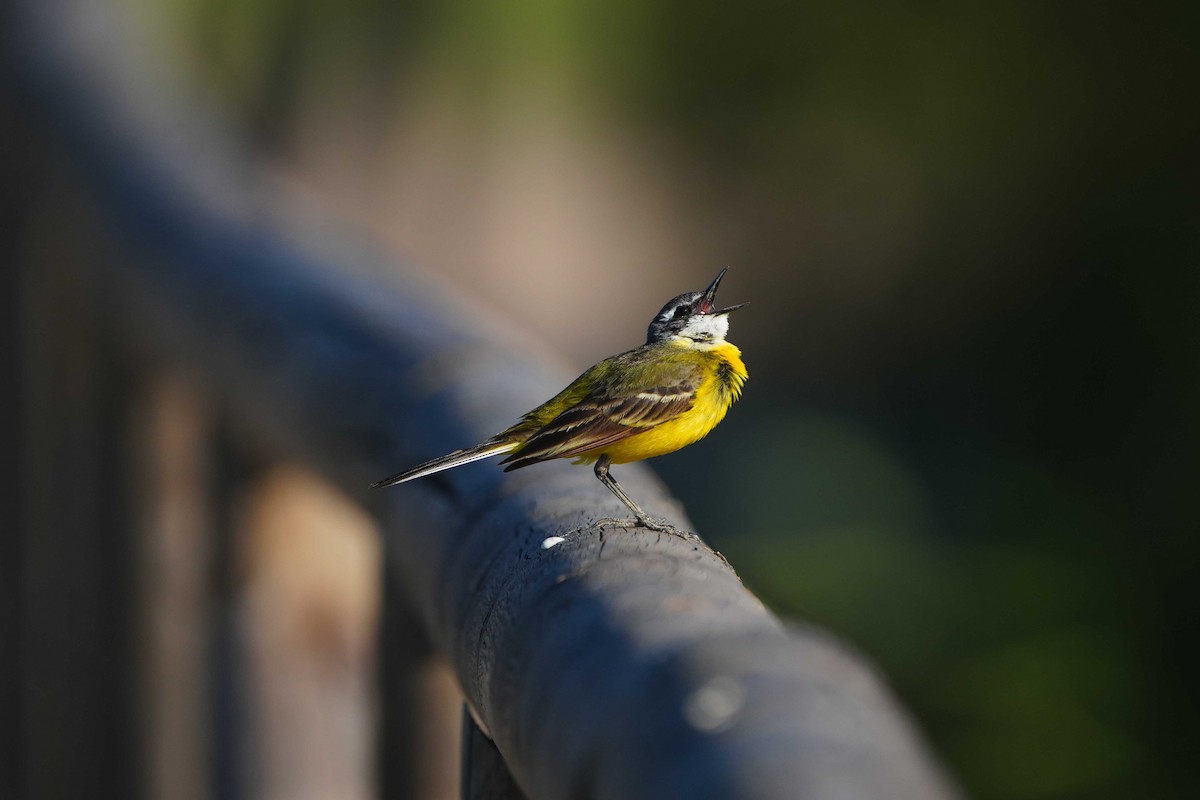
969	236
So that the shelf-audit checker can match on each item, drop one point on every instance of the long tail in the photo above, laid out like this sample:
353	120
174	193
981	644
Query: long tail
448	461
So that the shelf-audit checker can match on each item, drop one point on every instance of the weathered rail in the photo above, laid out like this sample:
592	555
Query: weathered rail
616	663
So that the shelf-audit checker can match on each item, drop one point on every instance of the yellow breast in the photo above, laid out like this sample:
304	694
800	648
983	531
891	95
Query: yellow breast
725	375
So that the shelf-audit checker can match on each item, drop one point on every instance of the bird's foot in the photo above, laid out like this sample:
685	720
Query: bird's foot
660	526
613	522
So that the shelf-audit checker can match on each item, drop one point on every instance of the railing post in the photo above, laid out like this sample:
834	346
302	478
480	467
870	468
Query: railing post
403	650
485	776
231	744
15	212
175	425
74	622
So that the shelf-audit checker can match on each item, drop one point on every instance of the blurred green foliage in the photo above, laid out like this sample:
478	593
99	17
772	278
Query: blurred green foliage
1004	631
969	442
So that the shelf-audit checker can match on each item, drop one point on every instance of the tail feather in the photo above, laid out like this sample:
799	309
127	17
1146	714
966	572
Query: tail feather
448	461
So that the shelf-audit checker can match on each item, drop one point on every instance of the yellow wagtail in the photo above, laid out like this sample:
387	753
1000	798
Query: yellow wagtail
652	400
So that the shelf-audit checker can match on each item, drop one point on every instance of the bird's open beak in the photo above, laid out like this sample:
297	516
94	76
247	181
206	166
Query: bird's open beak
705	306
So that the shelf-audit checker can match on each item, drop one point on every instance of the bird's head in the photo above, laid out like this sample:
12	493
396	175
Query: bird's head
694	317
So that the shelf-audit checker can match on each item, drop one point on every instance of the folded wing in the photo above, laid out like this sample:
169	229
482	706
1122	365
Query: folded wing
608	415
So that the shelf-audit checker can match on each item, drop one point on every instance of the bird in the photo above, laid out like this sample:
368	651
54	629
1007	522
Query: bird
652	400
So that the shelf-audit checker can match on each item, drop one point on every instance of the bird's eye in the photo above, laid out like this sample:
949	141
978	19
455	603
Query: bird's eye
679	312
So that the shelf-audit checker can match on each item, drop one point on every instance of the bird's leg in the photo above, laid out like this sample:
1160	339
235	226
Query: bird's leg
602	465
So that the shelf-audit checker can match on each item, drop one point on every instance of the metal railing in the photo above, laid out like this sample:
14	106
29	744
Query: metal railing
614	664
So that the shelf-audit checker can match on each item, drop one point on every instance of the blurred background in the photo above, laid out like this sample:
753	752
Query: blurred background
970	240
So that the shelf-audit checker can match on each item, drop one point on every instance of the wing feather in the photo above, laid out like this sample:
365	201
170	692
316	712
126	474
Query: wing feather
607	415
